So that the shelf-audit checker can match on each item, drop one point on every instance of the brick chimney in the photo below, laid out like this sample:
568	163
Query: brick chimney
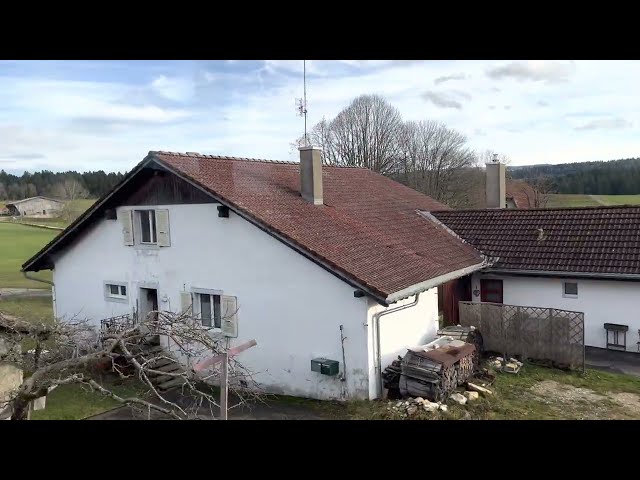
311	174
496	188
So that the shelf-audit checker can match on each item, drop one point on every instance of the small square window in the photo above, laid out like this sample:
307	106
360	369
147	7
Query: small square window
571	289
116	292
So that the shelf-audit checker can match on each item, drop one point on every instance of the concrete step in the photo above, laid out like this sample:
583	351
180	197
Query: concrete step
177	382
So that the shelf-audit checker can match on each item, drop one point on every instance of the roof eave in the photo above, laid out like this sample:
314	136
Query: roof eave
32	265
567	274
434	282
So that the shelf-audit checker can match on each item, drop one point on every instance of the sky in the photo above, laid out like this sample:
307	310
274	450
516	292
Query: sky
92	115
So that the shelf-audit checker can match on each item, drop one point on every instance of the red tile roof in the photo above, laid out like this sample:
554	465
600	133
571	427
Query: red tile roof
368	231
522	193
368	227
599	240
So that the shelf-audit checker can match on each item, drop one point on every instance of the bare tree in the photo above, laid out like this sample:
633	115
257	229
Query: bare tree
68	352
540	189
364	134
432	157
74	189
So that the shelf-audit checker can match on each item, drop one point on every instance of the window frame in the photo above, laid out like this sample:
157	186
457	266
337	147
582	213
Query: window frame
564	289
485	290
153	226
196	294
118	298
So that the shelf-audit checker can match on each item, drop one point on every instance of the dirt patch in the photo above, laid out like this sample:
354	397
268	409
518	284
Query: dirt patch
587	403
631	401
565	393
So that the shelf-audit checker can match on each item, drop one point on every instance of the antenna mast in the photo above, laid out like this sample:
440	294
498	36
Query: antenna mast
302	102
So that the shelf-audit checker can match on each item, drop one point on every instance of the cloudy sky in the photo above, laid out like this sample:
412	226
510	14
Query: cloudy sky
89	115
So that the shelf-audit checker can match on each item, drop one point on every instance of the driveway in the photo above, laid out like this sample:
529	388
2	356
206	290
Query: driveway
620	362
24	292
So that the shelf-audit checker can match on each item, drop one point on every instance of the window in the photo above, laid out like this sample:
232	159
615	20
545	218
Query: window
491	291
147	226
115	291
208	308
570	289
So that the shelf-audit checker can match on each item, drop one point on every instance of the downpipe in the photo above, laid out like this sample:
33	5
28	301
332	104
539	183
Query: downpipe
53	290
376	327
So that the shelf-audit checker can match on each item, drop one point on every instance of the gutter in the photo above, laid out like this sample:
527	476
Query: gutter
376	332
434	282
551	273
53	290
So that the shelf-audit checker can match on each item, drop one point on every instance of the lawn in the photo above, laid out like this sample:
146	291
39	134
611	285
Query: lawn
577	200
619	199
536	393
32	309
75	402
17	244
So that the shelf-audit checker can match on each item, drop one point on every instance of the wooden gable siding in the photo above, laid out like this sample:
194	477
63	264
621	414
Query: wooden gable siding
157	187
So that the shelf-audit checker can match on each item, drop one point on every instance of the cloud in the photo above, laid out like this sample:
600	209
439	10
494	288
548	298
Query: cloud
23	156
605	124
176	89
536	71
448	78
446	99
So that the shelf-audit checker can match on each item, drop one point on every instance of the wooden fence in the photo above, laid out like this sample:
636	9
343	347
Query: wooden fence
546	334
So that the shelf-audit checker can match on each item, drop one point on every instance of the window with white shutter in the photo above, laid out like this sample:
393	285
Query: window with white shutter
185	301
229	316
126	220
162	227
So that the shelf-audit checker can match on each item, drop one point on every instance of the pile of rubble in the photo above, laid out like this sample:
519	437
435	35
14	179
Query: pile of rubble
511	366
411	406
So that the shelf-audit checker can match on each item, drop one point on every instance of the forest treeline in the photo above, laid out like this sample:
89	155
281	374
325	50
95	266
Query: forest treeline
613	177
66	185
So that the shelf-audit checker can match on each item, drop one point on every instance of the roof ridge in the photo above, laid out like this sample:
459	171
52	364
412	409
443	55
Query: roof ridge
243	159
541	209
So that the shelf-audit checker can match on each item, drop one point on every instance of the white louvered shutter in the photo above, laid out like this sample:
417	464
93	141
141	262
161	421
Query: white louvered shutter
126	220
162	227
185	301
229	316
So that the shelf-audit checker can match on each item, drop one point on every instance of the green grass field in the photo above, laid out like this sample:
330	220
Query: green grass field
571	200
17	244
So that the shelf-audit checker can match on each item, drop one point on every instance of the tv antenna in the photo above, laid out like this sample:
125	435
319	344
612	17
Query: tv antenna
301	103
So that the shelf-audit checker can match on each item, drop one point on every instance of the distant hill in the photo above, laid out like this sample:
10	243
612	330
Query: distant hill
613	177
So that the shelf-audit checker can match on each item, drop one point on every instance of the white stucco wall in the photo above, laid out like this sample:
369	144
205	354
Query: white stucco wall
400	330
289	305
602	301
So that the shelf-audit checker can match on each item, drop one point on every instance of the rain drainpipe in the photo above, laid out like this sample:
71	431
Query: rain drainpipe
53	290
376	327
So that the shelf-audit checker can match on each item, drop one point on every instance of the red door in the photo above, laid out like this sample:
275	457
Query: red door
491	290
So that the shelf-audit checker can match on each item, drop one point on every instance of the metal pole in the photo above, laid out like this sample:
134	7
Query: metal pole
224	386
304	74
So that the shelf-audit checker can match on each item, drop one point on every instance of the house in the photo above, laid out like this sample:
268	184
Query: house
583	259
290	254
519	194
42	207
